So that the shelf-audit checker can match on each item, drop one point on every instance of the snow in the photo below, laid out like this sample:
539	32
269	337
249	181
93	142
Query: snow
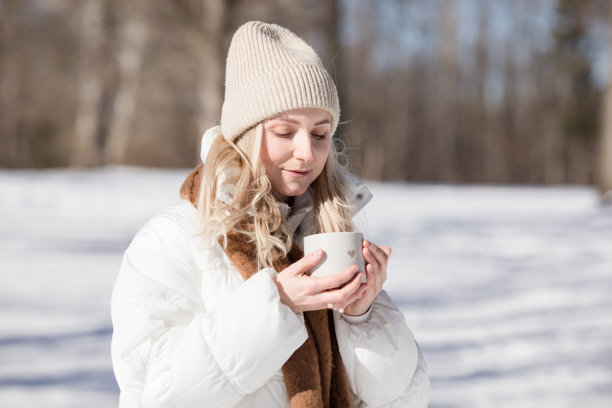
507	289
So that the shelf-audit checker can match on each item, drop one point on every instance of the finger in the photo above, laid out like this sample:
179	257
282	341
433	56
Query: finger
339	296
370	272
374	278
380	255
369	257
306	263
322	283
379	265
371	276
382	258
355	296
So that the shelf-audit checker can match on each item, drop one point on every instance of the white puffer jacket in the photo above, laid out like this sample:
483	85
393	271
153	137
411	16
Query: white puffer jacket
190	332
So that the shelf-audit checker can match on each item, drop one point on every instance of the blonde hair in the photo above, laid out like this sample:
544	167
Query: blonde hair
235	190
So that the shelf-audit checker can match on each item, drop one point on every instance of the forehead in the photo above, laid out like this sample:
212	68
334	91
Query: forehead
318	116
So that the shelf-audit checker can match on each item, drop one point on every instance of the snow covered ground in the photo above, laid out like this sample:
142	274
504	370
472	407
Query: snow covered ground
507	289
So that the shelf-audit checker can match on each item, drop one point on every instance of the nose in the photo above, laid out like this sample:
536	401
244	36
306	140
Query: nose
302	144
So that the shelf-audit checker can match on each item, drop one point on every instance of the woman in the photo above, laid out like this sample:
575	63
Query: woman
213	306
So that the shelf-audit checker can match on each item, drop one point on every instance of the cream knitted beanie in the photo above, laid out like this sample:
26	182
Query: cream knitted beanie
271	70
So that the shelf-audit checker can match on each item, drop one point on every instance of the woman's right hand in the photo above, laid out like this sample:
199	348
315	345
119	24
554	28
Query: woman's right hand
302	292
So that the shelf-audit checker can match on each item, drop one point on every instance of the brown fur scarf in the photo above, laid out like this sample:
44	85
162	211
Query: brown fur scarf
314	375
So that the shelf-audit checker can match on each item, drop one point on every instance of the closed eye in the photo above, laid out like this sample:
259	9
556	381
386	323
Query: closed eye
283	134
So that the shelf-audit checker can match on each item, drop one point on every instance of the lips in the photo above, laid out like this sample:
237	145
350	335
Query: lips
298	173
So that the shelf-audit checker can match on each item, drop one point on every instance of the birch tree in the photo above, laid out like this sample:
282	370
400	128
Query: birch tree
203	25
133	34
85	146
447	97
604	173
14	151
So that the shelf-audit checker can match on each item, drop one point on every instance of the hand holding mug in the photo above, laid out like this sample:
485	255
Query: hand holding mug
376	259
302	292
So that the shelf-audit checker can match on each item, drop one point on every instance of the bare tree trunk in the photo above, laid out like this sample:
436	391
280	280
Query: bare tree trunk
604	171
372	146
365	154
85	146
210	85
501	154
203	24
132	41
448	95
327	16
14	151
548	100
478	134
605	152
331	25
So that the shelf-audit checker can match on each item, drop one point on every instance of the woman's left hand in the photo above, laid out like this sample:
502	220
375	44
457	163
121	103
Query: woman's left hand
376	259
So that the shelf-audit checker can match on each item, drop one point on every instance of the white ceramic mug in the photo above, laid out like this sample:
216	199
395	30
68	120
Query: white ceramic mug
342	250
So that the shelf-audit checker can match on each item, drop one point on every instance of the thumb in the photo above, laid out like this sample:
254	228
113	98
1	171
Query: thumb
306	263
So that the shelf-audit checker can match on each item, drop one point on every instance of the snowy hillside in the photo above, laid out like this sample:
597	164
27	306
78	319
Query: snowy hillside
507	290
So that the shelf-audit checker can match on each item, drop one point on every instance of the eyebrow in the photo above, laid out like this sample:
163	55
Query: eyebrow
297	122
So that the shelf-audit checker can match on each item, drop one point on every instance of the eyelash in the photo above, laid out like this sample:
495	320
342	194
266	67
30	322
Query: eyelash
318	137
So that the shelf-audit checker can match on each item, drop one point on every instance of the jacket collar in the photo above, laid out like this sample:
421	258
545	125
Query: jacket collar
295	214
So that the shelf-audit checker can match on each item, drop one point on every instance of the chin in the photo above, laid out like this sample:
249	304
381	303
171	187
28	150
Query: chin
294	192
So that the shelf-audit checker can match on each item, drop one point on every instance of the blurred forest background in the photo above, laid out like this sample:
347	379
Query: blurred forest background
466	91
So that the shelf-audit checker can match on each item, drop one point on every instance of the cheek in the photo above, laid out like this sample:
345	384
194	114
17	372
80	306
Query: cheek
274	150
322	153
321	158
268	155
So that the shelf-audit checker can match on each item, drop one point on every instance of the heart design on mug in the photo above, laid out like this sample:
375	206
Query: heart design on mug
351	253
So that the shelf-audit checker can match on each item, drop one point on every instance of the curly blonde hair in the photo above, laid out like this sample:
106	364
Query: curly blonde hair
235	189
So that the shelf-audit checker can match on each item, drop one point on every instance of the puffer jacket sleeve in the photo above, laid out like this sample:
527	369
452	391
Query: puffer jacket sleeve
382	360
168	350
